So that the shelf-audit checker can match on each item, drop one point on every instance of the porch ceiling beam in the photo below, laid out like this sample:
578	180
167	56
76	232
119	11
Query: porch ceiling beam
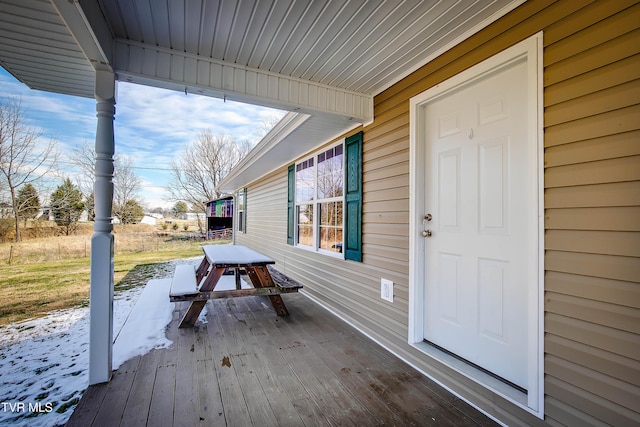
86	22
148	64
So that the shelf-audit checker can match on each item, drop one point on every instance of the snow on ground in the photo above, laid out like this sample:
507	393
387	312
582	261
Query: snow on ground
44	362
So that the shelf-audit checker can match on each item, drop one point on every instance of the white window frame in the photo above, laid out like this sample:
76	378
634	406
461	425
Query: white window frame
316	204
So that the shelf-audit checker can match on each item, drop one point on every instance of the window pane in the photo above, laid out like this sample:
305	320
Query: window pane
305	224
304	181
330	173
331	226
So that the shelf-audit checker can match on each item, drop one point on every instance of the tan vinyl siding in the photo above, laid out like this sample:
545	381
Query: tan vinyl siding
592	213
592	217
592	159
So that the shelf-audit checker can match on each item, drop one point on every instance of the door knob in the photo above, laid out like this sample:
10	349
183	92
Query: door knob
426	233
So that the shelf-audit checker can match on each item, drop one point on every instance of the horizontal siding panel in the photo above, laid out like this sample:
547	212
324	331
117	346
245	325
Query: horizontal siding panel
385	194
595	288
397	266
623	120
601	313
396	159
613	365
620	392
601	55
387	206
386	229
389	252
593	35
607	147
391	171
566	397
595	265
613	74
612	340
386	217
613	98
584	17
594	242
600	172
397	110
387	183
616	218
387	240
598	195
396	140
395	123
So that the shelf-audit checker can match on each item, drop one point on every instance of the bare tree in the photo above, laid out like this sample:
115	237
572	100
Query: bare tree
84	157
126	183
197	171
24	157
267	123
126	186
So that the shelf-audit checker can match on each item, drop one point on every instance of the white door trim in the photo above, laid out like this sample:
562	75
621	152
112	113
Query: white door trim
531	50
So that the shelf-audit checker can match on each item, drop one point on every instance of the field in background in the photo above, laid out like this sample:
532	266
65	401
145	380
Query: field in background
44	274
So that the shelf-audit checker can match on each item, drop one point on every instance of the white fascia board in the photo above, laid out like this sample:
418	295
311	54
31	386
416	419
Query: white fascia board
293	137
275	136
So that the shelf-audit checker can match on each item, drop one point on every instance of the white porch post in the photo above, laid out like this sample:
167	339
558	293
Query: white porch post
101	299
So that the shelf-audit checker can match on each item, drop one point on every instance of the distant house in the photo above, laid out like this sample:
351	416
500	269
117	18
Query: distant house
220	218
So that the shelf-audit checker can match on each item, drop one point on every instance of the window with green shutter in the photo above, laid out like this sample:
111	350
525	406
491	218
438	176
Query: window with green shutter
324	202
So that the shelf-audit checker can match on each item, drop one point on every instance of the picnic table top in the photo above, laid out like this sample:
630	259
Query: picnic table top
234	256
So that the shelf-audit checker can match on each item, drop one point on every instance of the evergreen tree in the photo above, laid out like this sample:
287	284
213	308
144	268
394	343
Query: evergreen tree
27	203
179	208
67	205
131	212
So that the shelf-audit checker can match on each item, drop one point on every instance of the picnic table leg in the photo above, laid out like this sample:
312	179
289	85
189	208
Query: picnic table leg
195	308
261	278
202	270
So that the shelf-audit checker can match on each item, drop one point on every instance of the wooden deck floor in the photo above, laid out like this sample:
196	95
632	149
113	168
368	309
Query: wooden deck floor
248	367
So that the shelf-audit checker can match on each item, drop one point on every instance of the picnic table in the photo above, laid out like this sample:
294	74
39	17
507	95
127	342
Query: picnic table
198	286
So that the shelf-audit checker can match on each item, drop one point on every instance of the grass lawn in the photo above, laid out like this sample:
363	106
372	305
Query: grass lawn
29	290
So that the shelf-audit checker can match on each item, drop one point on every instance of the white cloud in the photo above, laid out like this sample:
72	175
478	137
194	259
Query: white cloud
151	125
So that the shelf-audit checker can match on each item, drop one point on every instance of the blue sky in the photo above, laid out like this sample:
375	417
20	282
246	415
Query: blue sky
151	127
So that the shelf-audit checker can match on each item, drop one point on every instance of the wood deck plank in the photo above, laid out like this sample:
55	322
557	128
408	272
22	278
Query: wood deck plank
249	367
85	412
233	403
329	394
283	409
118	390
271	339
163	397
346	354
136	411
233	325
186	394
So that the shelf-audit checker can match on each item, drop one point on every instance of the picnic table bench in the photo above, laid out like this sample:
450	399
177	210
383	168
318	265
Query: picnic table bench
198	285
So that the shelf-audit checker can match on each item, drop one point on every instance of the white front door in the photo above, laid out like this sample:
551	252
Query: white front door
478	261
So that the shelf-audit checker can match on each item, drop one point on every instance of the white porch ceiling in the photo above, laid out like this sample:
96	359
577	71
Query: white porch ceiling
312	56
322	59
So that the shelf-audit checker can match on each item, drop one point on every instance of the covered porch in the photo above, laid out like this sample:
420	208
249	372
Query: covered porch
246	366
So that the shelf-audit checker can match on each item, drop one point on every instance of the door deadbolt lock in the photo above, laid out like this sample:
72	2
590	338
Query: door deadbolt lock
428	217
426	233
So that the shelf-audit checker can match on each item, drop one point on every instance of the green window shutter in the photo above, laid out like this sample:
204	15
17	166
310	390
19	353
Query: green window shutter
291	174
353	198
